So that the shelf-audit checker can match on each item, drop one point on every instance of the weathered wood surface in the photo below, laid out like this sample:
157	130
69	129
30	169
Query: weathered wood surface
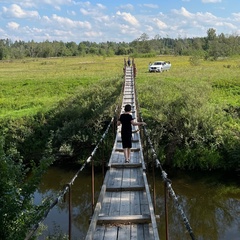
124	209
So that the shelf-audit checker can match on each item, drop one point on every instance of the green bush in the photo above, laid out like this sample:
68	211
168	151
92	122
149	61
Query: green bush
189	131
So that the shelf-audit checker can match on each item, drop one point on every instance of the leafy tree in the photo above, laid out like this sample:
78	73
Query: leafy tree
211	46
17	186
73	48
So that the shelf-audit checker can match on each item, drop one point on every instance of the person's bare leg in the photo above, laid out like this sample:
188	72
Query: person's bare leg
129	153
125	151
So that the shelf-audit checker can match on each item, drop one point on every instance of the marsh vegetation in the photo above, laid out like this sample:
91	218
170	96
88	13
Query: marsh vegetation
55	109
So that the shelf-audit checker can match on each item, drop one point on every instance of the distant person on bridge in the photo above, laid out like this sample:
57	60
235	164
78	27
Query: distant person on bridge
127	121
129	62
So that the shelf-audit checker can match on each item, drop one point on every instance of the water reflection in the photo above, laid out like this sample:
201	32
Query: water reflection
212	211
211	207
53	182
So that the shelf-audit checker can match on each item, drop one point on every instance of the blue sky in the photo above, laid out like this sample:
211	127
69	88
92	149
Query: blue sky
115	20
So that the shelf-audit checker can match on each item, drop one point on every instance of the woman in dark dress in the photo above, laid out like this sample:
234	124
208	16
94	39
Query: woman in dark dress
127	121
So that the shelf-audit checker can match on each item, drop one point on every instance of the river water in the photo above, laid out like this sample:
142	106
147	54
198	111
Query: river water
211	202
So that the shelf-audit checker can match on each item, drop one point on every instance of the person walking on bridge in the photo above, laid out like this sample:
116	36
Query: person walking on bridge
127	121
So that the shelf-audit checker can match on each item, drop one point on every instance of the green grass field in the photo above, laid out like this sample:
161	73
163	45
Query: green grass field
32	85
219	79
37	85
192	109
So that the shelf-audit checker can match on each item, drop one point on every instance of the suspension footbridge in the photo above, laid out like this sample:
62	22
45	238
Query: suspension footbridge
124	209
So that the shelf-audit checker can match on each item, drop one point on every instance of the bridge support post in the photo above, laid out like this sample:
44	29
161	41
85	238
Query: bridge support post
69	212
103	162
93	189
166	210
154	185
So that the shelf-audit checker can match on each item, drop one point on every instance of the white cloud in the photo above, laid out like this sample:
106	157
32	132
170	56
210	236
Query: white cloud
61	33
76	20
68	23
211	1
15	11
83	4
160	24
228	25
93	34
84	11
236	16
13	25
128	7
150	5
101	6
73	13
95	12
103	19
53	2
128	18
183	12
37	30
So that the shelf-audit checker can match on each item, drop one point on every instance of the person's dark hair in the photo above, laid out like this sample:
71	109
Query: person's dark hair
127	108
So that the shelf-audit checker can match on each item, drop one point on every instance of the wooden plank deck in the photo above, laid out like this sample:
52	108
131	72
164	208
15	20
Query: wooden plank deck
124	209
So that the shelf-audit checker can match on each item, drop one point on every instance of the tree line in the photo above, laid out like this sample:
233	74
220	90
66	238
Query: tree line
212	46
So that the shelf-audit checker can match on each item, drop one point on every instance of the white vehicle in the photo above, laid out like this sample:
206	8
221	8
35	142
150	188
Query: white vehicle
159	66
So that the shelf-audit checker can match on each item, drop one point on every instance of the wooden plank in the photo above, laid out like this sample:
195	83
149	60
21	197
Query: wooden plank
144	207
130	188
139	180
132	149
153	219
137	232
134	174
134	232
148	232
133	140
106	204
111	177
140	231
124	219
111	233
116	158
115	204
124	232
126	165
126	177
135	203
115	178
99	233
124	205
93	223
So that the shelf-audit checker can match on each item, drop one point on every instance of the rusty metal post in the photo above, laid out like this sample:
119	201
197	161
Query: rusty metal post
154	186
147	153
70	213
166	210
114	127
124	68
93	190
134	70
103	162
